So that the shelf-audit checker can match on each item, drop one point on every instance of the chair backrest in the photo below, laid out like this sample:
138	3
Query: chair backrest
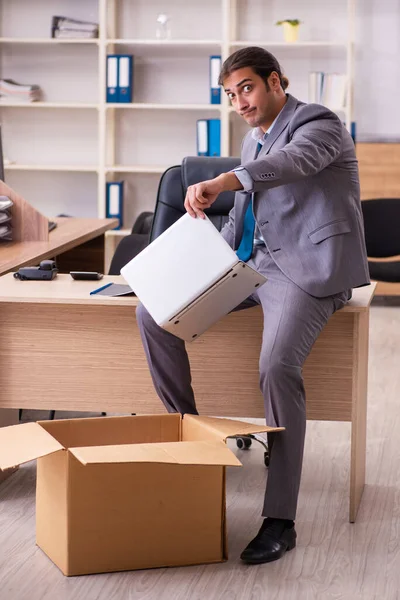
382	226
132	244
143	223
174	183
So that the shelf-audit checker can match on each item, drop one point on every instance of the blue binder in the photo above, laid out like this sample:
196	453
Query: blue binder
112	78
353	131
215	90
202	137
115	201
125	78
214	137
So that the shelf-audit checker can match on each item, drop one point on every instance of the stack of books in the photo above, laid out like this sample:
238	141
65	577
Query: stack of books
5	219
328	89
19	92
66	28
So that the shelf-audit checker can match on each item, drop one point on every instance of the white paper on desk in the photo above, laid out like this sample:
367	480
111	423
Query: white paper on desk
115	289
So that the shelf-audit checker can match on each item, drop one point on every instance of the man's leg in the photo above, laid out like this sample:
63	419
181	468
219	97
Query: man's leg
292	322
169	363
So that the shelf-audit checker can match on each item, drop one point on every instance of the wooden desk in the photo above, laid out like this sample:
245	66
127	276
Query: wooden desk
61	348
70	233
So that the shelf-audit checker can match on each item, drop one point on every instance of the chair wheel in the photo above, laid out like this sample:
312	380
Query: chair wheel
266	459
243	443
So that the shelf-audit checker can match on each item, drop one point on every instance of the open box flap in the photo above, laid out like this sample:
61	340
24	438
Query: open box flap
21	443
195	427
181	453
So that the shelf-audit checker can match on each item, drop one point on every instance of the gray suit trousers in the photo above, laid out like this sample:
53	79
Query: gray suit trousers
293	320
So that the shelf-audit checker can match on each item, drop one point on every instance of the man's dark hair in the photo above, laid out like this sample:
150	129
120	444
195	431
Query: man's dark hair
261	61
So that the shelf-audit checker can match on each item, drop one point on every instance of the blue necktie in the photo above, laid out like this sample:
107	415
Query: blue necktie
245	249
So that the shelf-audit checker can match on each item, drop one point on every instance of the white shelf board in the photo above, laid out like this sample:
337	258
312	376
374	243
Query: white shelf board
320	44
10	40
47	105
153	106
157	169
72	168
170	42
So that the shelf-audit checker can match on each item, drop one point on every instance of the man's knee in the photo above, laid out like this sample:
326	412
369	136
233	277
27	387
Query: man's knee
274	369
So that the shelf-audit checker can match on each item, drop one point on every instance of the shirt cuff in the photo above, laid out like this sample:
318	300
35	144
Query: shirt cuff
244	177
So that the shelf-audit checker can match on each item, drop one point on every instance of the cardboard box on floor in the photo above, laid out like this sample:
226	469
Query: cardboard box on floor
121	493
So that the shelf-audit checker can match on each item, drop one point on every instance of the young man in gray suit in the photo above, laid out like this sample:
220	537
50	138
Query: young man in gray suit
297	219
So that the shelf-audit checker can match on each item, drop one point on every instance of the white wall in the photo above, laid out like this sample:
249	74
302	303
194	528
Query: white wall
377	70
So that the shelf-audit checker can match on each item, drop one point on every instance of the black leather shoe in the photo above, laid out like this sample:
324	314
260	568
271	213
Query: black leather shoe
272	541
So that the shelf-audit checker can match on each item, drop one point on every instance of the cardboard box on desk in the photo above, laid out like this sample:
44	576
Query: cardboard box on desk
123	493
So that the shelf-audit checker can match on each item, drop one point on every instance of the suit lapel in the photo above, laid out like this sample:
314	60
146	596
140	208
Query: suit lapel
282	121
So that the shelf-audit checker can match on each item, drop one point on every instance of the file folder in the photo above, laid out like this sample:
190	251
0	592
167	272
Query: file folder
214	137
202	137
112	78
215	89
115	201
125	78
353	131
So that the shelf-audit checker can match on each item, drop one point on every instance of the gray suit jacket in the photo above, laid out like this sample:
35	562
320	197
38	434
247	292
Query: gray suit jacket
306	200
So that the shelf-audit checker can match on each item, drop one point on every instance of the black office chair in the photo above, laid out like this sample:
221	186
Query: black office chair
382	237
133	243
174	183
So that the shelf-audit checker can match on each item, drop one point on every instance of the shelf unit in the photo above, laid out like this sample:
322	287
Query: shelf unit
102	142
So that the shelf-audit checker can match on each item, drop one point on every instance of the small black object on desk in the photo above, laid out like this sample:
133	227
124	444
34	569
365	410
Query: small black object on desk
46	271
86	275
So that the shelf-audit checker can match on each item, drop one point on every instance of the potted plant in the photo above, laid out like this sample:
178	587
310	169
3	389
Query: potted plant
290	29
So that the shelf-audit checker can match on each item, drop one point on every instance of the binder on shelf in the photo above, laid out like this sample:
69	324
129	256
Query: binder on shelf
315	86
214	137
215	89
334	91
202	137
112	78
353	131
209	137
125	77
329	89
115	201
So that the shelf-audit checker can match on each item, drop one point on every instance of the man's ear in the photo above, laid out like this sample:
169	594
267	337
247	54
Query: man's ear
274	81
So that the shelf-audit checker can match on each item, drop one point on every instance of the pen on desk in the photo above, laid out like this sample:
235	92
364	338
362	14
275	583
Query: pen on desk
103	287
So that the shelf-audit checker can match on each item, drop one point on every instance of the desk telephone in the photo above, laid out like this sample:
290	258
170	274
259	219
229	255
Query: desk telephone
47	270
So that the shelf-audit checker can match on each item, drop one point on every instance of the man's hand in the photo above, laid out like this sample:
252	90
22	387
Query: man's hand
202	195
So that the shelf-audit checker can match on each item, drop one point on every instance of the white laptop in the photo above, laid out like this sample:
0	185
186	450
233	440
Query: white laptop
189	277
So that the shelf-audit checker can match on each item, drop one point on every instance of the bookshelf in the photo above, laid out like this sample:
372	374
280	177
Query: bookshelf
63	149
